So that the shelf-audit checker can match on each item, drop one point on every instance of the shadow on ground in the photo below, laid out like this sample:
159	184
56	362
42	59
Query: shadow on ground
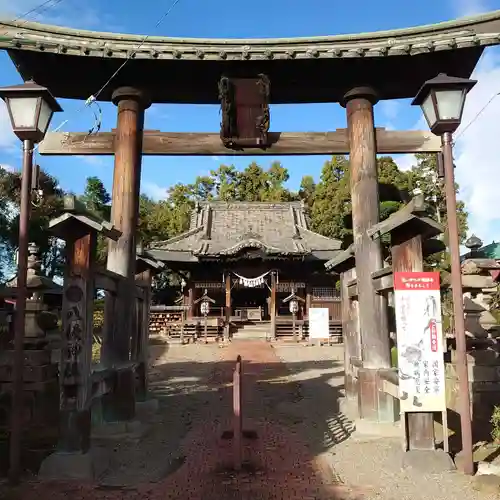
183	454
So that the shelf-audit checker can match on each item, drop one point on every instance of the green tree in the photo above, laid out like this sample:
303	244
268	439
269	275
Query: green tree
331	205
423	177
96	198
307	190
44	208
332	199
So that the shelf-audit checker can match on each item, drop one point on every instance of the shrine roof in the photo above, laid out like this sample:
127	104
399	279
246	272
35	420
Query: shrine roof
229	230
76	63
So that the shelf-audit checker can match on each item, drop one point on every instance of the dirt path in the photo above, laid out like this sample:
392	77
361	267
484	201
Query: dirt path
195	399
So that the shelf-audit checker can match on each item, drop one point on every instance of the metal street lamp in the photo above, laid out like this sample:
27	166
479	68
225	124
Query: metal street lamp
442	101
30	108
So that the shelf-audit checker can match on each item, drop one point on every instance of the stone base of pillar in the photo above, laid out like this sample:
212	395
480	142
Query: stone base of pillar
120	431
146	408
68	466
428	461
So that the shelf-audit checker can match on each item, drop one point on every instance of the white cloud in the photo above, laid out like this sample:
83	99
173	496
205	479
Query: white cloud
96	161
70	13
406	161
390	109
477	151
465	8
154	190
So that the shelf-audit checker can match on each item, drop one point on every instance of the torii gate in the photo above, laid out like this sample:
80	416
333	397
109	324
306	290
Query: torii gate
355	71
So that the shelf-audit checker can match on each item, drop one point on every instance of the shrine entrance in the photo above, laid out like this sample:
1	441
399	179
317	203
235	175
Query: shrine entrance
245	77
251	303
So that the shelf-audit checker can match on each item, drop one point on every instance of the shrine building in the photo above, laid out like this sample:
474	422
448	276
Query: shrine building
249	257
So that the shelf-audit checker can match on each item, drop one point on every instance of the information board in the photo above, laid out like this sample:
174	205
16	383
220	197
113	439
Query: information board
419	342
319	320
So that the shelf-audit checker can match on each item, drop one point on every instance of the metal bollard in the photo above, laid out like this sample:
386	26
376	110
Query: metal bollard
237	416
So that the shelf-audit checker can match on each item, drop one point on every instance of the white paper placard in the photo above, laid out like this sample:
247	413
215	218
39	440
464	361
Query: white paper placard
319	321
419	341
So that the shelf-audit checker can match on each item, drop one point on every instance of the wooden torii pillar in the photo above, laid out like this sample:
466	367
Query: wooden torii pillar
373	310
116	346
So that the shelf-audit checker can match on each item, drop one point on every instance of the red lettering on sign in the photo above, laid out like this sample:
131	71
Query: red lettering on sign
434	337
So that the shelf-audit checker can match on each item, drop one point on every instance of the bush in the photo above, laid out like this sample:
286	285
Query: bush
495	421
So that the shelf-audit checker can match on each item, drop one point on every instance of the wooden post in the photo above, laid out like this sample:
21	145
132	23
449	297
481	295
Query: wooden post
205	330
350	332
227	331
190	301
122	253
237	416
76	344
373	313
272	306
124	214
407	256
141	352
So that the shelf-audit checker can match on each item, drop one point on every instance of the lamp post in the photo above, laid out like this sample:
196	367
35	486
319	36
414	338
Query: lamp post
205	309
30	108
442	101
294	308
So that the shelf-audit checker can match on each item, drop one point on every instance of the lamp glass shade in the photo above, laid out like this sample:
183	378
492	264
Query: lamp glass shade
23	111
450	103
429	111
44	117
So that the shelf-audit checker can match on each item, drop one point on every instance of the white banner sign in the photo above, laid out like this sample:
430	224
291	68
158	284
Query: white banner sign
319	320
419	342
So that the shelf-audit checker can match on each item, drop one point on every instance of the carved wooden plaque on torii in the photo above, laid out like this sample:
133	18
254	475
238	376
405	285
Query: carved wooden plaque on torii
245	112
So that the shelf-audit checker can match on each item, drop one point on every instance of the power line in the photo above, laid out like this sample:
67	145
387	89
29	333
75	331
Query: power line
38	9
477	115
93	98
132	54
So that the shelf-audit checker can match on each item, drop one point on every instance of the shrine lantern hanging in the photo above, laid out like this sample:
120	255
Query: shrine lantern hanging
294	306
245	112
205	307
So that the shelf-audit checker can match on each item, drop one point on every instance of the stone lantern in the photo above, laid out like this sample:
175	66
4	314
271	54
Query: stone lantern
38	320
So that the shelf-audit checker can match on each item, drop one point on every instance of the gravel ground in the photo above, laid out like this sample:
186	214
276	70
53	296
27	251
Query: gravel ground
371	464
182	382
288	406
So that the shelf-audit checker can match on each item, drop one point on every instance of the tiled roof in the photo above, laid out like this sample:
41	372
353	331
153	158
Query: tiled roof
220	229
479	30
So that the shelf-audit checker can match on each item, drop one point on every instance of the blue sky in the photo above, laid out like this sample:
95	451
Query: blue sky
221	18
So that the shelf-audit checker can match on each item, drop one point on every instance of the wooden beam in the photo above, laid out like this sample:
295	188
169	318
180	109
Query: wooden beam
207	144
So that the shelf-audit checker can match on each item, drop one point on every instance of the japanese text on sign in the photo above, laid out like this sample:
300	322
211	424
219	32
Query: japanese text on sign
419	341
